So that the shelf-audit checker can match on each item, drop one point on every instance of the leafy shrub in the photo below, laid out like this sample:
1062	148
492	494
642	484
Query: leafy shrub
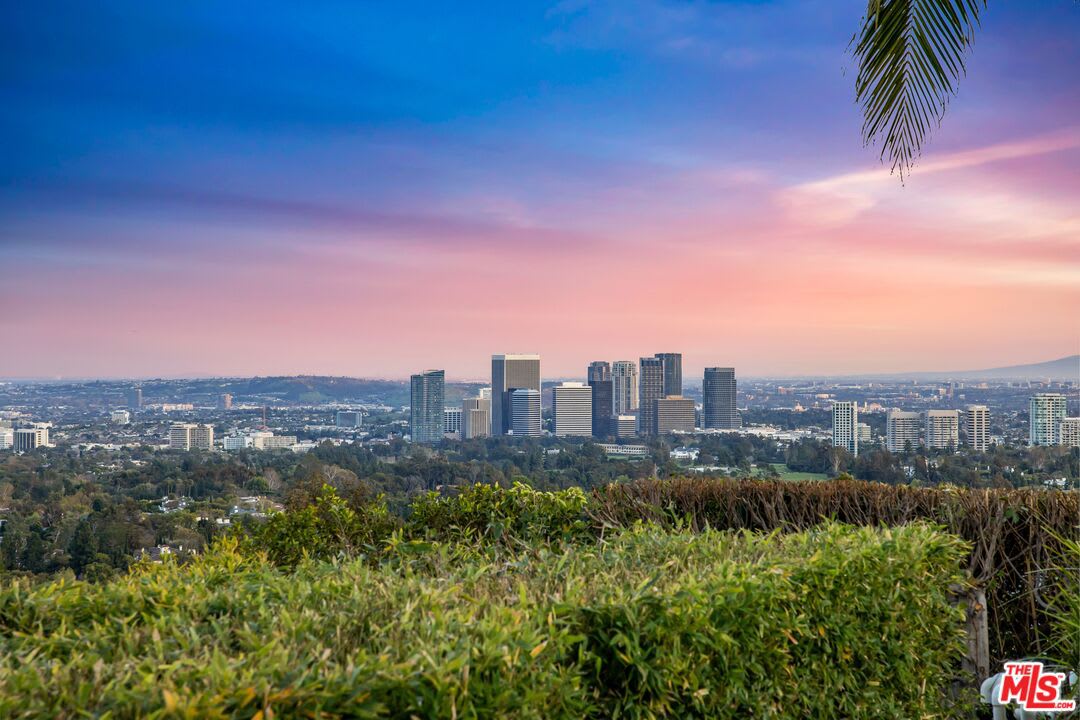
834	622
1014	535
329	527
512	516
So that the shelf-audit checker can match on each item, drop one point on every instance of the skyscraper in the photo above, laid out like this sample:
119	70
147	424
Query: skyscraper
718	394
624	391
977	427
672	372
225	401
475	417
902	430
134	398
599	370
572	408
942	429
1046	411
650	389
603	390
674	413
509	372
426	406
845	425
525	412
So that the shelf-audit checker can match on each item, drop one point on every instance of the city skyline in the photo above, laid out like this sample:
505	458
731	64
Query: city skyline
347	189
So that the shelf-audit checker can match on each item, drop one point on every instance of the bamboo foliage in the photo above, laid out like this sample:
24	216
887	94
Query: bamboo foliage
1015	535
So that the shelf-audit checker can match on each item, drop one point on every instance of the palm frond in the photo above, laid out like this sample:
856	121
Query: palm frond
911	58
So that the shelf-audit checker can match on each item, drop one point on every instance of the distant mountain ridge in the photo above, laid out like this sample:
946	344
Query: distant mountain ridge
1066	368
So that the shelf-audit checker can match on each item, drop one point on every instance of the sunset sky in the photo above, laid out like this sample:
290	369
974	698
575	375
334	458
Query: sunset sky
371	189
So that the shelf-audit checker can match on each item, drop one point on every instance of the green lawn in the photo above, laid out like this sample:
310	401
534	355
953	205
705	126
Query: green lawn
788	474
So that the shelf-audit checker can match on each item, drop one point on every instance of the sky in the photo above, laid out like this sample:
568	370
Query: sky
371	189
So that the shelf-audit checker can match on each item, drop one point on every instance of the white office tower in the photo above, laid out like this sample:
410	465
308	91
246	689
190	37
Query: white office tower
452	421
902	430
236	442
942	429
1070	432
525	413
977	427
624	387
476	416
865	434
1046	411
7	438
180	436
189	436
120	417
571	407
845	425
30	438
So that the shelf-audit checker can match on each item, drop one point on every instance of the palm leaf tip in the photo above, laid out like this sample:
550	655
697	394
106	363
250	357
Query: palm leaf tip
911	58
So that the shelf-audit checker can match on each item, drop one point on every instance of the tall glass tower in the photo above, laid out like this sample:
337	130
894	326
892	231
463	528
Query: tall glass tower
428	393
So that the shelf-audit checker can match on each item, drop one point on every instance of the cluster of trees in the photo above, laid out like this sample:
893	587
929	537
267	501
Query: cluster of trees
998	467
92	512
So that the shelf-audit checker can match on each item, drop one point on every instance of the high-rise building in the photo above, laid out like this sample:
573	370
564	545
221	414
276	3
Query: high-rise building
203	437
902	430
650	389
426	406
865	435
1070	432
452	421
599	370
225	401
625	426
348	418
845	425
1046	411
674	413
120	417
624	387
525	417
190	436
572	408
24	439
672	372
942	429
7	438
475	417
508	373
134	398
718	395
977	427
602	407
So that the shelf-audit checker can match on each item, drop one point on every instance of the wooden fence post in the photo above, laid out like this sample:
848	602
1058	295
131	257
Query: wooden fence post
977	661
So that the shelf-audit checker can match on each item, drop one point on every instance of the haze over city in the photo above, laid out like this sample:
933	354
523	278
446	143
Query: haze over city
204	191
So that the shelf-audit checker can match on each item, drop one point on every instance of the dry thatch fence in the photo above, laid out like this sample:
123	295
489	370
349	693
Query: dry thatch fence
1012	532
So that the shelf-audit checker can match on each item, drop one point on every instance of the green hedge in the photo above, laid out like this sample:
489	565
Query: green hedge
516	515
835	622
